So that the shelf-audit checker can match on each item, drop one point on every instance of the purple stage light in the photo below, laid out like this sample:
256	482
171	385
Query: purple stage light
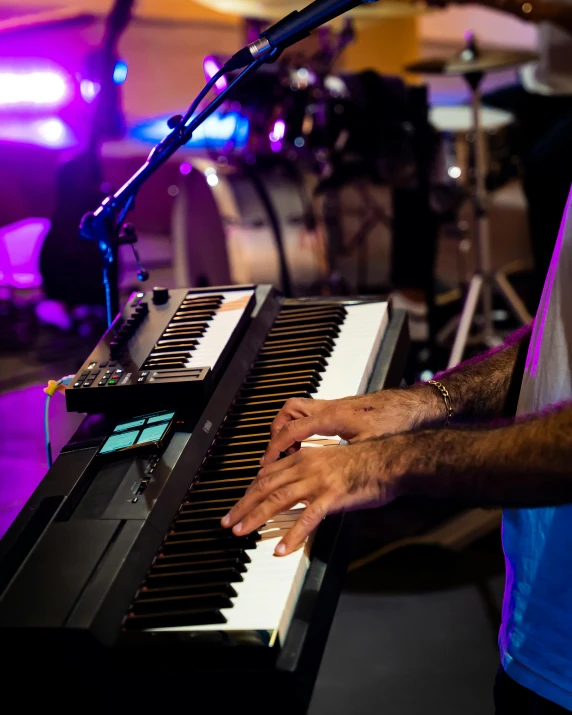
279	132
34	88
210	67
50	132
185	168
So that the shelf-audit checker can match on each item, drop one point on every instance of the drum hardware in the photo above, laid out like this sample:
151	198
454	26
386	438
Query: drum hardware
472	64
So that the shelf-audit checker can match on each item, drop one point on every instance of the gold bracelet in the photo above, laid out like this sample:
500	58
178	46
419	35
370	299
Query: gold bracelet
446	399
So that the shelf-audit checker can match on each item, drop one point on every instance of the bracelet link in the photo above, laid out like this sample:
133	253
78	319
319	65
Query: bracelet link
446	399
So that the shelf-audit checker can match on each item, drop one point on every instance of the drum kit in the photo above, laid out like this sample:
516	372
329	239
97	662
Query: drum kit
311	119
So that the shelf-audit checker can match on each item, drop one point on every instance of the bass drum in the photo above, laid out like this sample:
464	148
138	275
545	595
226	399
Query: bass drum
234	213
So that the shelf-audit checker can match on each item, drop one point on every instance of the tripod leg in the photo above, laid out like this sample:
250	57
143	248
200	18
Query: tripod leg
512	299
466	320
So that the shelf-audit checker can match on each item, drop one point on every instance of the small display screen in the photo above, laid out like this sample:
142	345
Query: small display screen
129	425
160	418
153	434
147	430
119	441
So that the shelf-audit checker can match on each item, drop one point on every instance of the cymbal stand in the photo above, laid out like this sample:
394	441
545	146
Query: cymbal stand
484	281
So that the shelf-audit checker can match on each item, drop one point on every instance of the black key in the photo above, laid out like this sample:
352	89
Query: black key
197	564
183	577
208	494
155	365
277	356
257	391
320	331
189	617
236	459
219	508
171	355
174	346
317	327
262	378
165	591
251	405
181	542
181	315
260	431
278	365
177	603
226	483
237	554
246	418
185	328
223	447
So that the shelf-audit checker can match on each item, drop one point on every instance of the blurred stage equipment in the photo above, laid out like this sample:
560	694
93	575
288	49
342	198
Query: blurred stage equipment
277	9
472	63
344	130
71	268
20	246
455	126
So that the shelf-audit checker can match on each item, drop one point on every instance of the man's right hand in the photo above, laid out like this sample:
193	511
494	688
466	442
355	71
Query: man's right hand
354	419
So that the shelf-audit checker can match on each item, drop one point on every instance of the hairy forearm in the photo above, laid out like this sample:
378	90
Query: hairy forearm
535	11
480	388
525	464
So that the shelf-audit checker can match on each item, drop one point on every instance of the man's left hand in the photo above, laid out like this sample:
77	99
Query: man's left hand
326	479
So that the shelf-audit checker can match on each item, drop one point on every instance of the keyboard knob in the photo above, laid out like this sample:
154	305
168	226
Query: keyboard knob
160	295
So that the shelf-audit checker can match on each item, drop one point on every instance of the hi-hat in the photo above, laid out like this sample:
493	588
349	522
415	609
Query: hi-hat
473	63
276	9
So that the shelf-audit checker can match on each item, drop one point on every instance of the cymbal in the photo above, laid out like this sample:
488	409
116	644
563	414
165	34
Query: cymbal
276	9
483	61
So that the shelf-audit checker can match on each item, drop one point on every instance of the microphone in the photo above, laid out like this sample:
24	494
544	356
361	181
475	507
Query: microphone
293	28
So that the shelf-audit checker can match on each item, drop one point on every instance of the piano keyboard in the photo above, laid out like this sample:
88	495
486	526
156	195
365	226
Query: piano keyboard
198	332
176	342
205	578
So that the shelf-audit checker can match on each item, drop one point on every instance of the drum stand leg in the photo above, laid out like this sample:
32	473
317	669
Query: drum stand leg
484	281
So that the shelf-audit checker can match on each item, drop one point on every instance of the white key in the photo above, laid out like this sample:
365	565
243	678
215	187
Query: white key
267	596
351	363
355	350
220	329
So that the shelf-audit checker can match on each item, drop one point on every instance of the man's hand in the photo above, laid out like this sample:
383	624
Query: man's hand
326	479
354	419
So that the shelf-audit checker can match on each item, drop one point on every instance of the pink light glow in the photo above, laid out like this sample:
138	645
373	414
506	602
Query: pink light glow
89	90
49	132
210	68
20	245
185	168
279	131
34	88
276	147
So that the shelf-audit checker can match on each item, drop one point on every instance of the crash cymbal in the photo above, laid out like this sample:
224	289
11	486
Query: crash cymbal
466	62
276	9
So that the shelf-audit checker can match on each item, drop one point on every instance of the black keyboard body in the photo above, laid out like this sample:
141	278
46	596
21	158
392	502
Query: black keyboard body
73	561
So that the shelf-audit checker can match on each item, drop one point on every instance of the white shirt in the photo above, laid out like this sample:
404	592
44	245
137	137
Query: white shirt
536	634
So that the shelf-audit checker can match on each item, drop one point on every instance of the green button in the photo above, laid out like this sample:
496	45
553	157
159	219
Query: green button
112	382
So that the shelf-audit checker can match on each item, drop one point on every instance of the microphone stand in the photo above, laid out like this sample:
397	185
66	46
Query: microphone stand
105	225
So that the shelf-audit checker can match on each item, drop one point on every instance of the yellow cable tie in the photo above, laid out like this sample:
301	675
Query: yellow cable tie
52	388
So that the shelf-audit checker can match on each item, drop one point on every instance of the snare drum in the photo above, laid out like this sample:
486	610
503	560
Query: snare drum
455	125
